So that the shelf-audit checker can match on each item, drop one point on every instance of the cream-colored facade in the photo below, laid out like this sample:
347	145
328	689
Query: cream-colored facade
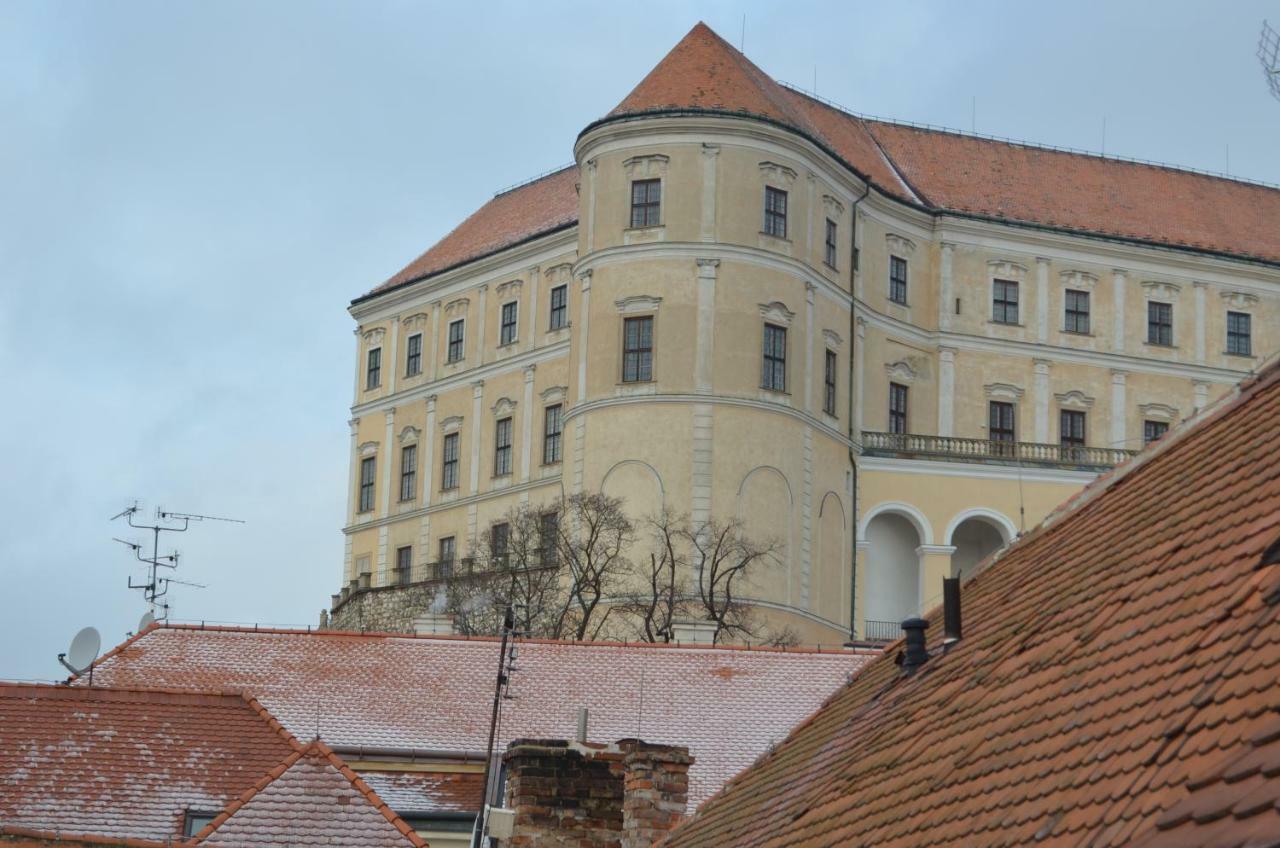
868	520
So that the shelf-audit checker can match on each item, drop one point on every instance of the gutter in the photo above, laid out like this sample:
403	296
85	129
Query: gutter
854	437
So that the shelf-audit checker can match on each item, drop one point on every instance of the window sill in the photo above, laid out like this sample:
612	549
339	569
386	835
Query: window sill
902	304
777	396
1160	345
1078	333
781	244
450	362
994	323
833	269
1248	356
644	235
551	331
505	345
635	387
408	376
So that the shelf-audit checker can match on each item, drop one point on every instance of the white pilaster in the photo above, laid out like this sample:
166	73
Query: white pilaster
428	449
477	404
1042	401
1200	341
1118	409
435	341
531	307
481	345
355	385
388	452
1202	394
946	390
859	375
705	341
390	366
591	204
812	183
806	521
584	313
710	158
1042	299
700	479
526	421
857	274
946	301
809	290
354	487
1119	280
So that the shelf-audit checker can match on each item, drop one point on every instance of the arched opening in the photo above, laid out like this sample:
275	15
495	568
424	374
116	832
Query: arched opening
975	539
893	574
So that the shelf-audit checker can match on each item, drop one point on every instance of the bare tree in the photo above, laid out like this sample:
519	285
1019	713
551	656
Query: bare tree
659	594
723	555
593	536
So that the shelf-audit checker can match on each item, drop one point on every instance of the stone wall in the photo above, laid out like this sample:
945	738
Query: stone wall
381	609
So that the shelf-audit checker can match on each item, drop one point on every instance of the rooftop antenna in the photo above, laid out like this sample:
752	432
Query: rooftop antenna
83	651
506	660
973	115
742	42
1269	55
1104	135
155	587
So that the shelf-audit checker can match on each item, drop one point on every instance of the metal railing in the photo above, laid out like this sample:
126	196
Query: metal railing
881	631
958	449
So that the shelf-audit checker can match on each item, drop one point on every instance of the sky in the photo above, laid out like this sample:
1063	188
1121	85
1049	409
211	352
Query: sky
192	193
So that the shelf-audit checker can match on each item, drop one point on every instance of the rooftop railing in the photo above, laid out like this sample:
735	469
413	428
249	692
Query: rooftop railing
958	449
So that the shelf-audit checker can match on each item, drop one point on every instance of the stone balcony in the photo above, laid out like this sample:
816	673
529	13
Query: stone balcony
992	451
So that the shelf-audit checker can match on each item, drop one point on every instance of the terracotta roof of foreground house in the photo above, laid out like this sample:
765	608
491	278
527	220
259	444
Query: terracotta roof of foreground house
312	798
435	693
1118	682
127	763
25	837
940	171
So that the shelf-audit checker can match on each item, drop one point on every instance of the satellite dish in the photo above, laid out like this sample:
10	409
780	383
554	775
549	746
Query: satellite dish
84	650
148	619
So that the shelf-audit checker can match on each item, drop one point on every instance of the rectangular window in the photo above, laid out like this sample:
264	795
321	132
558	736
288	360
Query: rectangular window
1004	302
1239	333
898	280
646	203
1076	318
1160	323
773	373
502	448
897	408
637	350
196	821
455	340
413	356
1071	431
448	552
775	212
559	308
499	543
408	472
373	370
831	243
449	467
551	427
829	383
509	314
1152	430
368	468
404	564
1000	421
548	538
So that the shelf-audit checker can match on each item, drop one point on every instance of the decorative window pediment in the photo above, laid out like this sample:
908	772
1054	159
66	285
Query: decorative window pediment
504	406
777	174
374	335
457	305
416	321
510	287
1158	412
1159	290
452	424
833	206
368	449
1074	279
646	167
560	273
1074	399
1239	300
1006	269
555	394
901	372
1003	391
900	245
777	312
638	303
409	435
832	338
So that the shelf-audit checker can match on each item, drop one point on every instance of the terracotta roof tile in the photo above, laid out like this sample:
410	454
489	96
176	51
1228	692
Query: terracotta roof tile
123	763
427	792
1118	682
311	798
388	691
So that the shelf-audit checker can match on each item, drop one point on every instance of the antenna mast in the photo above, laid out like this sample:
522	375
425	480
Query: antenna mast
1269	55
154	587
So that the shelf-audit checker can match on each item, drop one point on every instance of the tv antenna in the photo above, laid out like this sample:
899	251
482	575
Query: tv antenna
154	586
1269	55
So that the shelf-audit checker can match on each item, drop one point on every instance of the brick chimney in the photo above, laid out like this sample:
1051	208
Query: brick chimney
584	795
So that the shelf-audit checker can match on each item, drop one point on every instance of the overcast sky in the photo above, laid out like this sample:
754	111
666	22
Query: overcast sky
190	195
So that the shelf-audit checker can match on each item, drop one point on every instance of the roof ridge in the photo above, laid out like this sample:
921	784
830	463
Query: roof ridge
58	837
552	172
87	692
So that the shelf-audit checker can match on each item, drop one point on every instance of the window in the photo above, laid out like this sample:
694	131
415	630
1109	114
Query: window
1076	319
898	280
508	333
413	356
455	340
373	371
637	350
1004	302
1000	427
502	448
499	543
196	821
548	538
551	428
449	468
408	472
646	203
1239	334
368	466
829	383
831	243
775	212
444	562
1160	323
897	408
773	374
1071	432
559	308
1152	430
404	564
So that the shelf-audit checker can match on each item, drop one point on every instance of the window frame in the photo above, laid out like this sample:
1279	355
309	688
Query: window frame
1067	439
502	452
643	355
404	565
1073	317
996	431
833	235
501	554
773	358
509	324
1160	323
449	466
898	284
898	413
649	208
413	355
409	475
190	818
444	564
552	440
553	519
830	374
1235	347
558	315
458	340
1001	305
373	368
775	212
368	486
1149	425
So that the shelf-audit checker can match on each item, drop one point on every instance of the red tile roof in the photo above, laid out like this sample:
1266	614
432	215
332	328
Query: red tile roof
311	798
25	837
435	693
427	792
1118	682
941	171
124	763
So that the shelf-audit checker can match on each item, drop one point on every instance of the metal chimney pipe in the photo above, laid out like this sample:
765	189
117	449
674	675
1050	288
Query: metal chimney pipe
915	653
951	609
